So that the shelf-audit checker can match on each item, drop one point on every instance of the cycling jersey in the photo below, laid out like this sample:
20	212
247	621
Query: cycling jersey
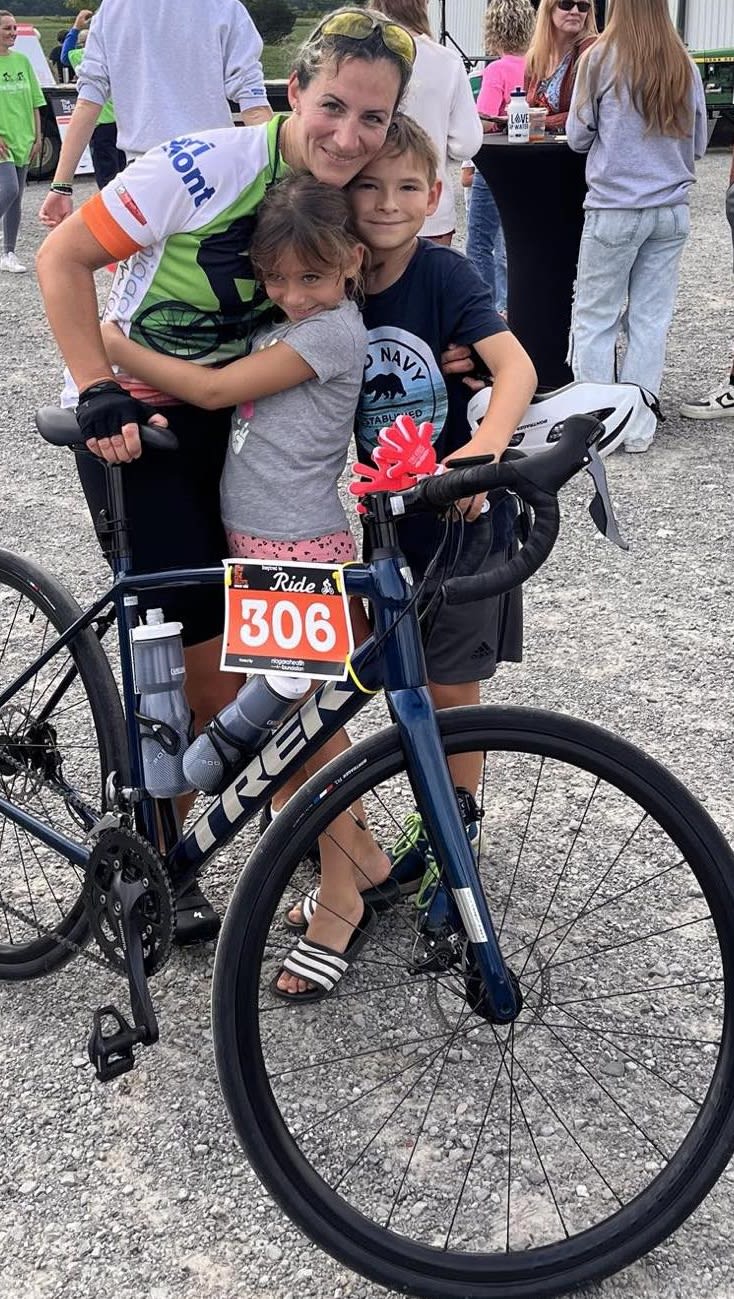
180	220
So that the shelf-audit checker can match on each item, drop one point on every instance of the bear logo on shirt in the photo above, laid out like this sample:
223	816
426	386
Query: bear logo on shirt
383	387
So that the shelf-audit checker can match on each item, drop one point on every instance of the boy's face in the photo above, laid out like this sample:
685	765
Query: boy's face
391	199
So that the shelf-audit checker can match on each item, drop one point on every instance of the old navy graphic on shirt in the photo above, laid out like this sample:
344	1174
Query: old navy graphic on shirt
401	377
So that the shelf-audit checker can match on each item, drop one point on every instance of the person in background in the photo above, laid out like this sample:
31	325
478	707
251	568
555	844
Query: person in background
58	67
180	84
107	159
720	403
507	33
564	30
21	98
440	99
639	110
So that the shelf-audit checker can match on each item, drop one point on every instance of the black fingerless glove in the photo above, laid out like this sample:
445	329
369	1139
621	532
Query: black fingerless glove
104	407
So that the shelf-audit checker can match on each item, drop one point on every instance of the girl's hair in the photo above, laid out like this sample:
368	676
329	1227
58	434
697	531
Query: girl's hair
650	59
508	26
5	13
412	14
319	51
542	57
314	221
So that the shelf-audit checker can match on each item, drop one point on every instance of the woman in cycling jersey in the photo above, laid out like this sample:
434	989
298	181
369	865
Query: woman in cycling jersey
179	222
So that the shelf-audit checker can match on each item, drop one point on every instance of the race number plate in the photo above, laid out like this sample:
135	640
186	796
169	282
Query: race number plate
286	618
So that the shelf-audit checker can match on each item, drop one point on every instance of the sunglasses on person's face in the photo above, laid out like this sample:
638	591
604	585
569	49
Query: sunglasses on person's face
359	26
567	6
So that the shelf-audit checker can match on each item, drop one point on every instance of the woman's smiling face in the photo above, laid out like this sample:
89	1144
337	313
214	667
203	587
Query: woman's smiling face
340	119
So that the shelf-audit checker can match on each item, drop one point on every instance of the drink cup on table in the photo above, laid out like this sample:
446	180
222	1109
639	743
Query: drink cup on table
537	124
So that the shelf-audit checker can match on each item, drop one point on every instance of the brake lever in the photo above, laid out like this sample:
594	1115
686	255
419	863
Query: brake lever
601	508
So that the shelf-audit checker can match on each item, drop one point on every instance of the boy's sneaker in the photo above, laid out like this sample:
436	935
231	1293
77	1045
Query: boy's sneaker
431	897
718	405
9	262
410	855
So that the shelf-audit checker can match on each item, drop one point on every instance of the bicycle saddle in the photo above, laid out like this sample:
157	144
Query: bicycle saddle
58	426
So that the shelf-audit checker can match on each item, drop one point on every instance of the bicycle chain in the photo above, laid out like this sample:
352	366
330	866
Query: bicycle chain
44	931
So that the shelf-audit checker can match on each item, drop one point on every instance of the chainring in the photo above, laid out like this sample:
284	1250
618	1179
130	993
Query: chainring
122	851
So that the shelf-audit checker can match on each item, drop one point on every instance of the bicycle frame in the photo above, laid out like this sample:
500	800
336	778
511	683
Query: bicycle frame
392	659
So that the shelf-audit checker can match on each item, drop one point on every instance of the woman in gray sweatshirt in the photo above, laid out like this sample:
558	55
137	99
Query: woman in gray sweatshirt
639	110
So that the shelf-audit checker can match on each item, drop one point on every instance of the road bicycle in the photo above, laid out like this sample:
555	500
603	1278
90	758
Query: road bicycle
516	1099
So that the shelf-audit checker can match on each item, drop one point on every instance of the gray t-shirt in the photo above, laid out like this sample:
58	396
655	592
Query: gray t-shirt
287	452
629	166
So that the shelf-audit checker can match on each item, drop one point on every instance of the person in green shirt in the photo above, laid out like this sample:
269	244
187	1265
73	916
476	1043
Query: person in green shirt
20	135
107	159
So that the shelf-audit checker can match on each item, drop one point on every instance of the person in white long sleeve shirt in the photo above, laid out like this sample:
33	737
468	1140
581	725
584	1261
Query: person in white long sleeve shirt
440	99
171	66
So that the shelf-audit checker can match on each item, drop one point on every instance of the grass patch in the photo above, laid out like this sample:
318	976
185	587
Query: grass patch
276	58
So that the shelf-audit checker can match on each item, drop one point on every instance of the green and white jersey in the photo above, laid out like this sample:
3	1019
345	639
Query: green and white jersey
180	220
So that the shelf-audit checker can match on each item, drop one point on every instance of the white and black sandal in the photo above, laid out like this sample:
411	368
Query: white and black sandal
308	904
321	965
380	897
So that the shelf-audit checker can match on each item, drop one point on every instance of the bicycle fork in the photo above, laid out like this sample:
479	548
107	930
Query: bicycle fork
436	799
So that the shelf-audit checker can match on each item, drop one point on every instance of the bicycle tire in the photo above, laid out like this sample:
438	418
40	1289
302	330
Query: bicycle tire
343	1230
32	598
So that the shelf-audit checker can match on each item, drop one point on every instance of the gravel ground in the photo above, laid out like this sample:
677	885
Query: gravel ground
142	1183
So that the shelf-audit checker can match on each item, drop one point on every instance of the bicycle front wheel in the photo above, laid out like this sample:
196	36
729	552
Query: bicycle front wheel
443	1155
61	735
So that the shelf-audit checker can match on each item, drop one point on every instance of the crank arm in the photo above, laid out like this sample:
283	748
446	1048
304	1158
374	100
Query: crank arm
112	1053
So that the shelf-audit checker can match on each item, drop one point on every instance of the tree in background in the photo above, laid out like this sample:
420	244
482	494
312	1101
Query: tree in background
274	19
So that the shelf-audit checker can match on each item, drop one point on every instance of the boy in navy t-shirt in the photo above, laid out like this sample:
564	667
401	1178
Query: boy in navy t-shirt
421	297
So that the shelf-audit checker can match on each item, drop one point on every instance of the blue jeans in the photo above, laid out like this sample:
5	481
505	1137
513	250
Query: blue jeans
485	244
627	255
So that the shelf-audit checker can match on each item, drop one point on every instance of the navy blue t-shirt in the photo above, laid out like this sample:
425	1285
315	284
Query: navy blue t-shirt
439	299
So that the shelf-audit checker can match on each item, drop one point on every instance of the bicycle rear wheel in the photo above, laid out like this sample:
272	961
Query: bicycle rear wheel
60	737
435	1152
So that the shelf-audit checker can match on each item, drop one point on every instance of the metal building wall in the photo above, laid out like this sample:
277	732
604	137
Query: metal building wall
710	24
464	22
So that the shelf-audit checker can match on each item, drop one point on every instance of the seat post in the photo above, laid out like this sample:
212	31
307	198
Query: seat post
112	524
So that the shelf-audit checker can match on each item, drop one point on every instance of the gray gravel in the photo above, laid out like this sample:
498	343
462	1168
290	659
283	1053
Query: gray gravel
140	1188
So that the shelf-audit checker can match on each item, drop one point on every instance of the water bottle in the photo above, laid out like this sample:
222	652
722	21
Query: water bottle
241	728
164	716
518	118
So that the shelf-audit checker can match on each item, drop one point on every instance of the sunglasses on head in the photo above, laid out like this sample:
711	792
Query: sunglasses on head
359	26
583	6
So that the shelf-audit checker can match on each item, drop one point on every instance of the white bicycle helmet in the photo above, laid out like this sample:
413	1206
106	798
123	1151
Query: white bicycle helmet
625	410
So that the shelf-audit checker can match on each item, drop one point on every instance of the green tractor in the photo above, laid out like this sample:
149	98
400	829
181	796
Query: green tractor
717	72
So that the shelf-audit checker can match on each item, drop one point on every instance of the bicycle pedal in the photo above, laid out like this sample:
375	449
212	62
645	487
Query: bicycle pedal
112	1053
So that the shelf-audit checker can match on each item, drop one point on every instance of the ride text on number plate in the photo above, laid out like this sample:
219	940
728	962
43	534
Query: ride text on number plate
282	617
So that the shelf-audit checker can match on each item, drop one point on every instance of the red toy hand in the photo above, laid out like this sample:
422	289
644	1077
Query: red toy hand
406	448
378	480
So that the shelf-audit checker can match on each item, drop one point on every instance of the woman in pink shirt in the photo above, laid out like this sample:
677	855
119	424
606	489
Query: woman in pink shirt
508	30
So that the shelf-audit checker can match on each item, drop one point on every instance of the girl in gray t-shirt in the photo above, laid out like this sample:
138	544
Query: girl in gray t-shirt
295	397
